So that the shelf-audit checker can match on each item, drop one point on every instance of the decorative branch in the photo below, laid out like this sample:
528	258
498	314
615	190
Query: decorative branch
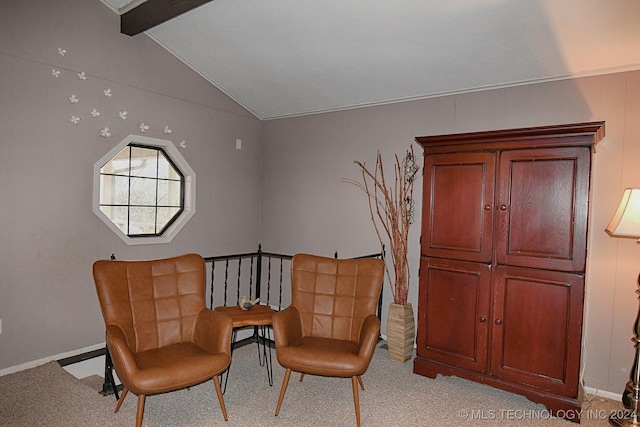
391	211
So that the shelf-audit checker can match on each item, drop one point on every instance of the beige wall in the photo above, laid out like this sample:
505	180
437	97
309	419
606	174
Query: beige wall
306	207
49	234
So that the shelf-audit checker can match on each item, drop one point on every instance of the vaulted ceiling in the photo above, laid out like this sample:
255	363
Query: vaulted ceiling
282	58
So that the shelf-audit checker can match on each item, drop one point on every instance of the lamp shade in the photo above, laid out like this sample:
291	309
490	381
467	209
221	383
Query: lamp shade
626	221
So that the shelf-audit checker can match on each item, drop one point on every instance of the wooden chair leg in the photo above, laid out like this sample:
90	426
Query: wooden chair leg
285	382
216	382
360	381
356	399
140	413
122	396
301	376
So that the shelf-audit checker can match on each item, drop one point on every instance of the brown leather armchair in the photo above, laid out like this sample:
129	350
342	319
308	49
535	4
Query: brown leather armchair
159	333
331	328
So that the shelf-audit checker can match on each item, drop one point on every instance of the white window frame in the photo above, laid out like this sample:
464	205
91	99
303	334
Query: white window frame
189	190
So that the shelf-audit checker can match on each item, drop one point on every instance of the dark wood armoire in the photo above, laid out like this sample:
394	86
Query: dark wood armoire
503	254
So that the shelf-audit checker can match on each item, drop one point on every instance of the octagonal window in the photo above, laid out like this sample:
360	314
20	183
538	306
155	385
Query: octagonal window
143	190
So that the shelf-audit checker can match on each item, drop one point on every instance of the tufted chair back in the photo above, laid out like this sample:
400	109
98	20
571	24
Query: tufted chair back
334	296
155	303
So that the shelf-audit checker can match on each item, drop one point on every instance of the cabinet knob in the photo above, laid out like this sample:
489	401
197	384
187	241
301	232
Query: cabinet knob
482	319
487	207
498	321
503	207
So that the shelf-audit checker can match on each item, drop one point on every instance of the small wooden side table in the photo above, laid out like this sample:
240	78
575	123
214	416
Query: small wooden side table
258	316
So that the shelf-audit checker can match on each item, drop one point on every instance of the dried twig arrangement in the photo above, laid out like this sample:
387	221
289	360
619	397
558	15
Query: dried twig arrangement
391	212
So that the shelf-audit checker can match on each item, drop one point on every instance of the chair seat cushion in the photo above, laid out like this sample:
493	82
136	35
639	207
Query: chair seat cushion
175	366
323	356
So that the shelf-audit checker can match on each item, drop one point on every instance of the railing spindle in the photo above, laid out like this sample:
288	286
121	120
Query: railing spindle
269	281
238	283
226	277
251	280
213	267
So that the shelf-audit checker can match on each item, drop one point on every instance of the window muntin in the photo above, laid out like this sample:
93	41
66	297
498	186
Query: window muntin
142	190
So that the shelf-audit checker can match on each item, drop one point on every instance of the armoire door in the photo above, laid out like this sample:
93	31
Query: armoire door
453	312
458	198
542	205
537	328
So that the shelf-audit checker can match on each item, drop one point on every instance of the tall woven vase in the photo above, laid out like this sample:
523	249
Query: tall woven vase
400	332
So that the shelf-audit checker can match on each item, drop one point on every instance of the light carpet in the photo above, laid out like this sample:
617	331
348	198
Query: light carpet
49	396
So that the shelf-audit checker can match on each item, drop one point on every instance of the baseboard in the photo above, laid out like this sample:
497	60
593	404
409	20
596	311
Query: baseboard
34	363
603	393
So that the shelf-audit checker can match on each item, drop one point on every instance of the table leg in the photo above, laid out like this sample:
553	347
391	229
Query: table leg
264	357
224	377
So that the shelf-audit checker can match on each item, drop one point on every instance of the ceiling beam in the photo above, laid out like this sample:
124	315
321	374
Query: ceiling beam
154	12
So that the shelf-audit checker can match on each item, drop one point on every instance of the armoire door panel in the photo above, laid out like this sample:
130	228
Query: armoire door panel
454	311
457	219
542	208
537	327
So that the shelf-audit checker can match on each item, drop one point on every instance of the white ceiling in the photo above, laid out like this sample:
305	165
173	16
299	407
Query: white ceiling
282	58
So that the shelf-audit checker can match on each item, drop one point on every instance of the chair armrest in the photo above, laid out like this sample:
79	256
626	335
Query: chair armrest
287	327
121	355
369	335
213	332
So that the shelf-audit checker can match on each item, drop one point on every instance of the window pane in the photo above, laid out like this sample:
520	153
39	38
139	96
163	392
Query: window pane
118	164
169	193
166	169
118	215
143	191
114	190
142	220
144	162
165	215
